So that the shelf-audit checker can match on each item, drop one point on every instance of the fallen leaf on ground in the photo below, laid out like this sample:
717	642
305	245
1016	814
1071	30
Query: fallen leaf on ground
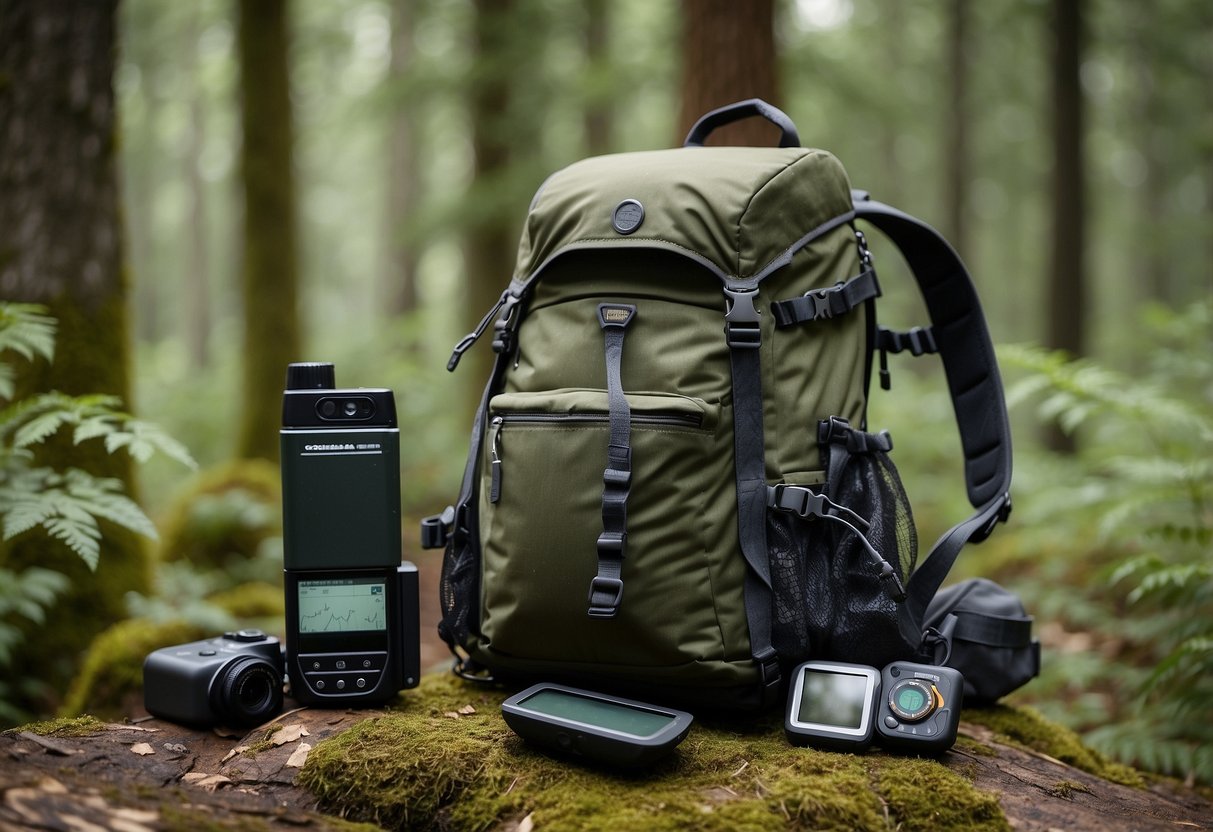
210	782
238	750
142	749
290	733
299	756
467	709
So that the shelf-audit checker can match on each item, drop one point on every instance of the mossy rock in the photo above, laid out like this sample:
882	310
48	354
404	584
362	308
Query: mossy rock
254	600
112	671
471	772
225	513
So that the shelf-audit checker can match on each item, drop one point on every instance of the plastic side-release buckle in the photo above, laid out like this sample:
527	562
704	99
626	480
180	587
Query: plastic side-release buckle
769	674
741	327
436	529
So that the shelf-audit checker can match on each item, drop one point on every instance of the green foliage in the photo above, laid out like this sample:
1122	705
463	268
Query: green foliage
224	515
66	505
1141	495
112	673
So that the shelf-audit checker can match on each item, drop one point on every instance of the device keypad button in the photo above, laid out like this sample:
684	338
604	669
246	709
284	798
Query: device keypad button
890	722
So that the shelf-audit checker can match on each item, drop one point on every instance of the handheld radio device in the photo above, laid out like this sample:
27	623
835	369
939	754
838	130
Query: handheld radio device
352	628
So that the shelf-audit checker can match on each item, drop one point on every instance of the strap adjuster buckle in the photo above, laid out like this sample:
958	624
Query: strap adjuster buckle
1000	516
605	595
611	544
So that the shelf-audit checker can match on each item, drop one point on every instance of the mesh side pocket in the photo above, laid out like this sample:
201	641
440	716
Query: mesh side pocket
833	598
457	590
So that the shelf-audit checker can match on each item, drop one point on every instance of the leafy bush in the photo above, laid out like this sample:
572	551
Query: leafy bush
65	505
1138	502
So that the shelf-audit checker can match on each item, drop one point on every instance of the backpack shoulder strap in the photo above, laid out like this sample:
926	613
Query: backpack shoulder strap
960	332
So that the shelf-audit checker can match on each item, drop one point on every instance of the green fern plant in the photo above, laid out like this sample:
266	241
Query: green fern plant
66	505
1144	481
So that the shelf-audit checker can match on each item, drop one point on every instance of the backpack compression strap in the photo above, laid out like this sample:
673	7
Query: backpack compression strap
960	333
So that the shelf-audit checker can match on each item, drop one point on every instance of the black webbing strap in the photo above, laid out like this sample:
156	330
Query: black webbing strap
743	335
918	340
823	304
606	589
990	630
960	332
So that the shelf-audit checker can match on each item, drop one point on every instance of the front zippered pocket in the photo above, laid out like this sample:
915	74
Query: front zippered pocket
500	424
542	486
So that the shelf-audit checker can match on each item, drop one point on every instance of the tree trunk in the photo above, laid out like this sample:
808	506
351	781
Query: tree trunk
490	247
598	101
398	283
957	163
728	54
61	245
197	311
1066	296
271	319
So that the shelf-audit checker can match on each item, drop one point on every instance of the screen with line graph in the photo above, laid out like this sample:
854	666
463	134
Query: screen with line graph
342	605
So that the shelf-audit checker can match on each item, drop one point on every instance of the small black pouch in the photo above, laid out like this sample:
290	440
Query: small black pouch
840	555
989	634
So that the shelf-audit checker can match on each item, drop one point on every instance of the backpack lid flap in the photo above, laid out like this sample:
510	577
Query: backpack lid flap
734	209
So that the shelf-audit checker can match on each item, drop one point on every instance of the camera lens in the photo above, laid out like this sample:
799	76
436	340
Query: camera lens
328	408
247	691
351	408
912	700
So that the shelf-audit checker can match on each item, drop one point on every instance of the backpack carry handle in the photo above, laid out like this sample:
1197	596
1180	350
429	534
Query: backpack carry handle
730	113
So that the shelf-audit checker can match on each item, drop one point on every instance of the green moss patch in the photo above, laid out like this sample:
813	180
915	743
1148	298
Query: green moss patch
74	726
1027	728
427	764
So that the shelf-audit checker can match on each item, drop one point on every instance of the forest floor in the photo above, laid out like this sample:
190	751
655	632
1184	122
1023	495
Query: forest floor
150	774
1009	770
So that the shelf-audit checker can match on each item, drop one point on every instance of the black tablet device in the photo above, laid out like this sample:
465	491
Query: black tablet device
832	705
597	726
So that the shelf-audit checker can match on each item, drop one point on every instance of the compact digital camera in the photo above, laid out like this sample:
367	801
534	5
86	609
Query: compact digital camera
352	621
906	706
233	680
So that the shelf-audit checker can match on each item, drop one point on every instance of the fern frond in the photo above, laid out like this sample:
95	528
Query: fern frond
27	329
104	498
67	506
144	439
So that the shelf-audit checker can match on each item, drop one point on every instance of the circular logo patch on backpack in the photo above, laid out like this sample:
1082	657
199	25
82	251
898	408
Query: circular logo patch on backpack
628	216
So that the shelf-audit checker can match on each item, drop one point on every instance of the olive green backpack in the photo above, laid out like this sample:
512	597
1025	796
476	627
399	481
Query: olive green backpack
671	489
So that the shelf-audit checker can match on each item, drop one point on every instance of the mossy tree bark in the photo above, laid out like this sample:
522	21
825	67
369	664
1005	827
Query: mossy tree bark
398	280
491	240
1067	293
728	54
270	273
61	245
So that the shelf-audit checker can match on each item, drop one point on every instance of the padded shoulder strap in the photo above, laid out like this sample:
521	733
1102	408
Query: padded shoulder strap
968	358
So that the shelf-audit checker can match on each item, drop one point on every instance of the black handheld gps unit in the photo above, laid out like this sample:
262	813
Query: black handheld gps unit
599	727
831	705
907	706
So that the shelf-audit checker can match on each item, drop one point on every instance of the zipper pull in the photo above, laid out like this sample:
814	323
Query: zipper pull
466	342
886	380
495	461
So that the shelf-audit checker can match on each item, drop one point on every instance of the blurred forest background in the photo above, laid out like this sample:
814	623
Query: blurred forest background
344	180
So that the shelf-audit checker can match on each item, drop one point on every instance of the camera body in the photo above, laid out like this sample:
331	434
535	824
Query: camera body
234	680
352	620
906	706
